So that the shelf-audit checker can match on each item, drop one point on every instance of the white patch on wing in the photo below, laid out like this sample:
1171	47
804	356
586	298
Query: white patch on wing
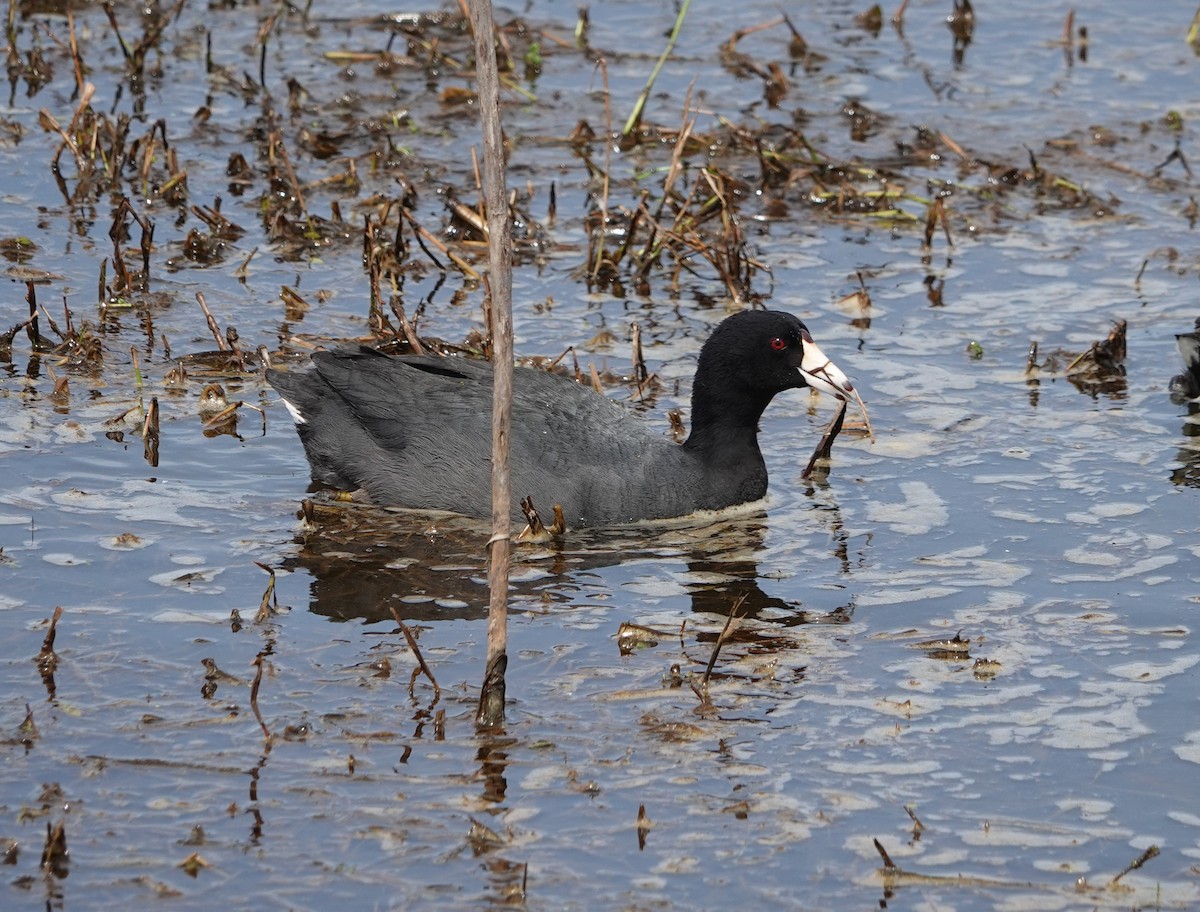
294	412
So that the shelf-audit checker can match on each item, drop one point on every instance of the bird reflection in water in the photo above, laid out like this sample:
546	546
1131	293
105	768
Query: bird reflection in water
365	561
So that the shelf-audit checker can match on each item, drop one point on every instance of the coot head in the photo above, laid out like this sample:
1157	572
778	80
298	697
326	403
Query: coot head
750	357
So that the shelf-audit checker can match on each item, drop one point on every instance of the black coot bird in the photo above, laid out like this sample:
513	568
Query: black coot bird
1186	386
415	431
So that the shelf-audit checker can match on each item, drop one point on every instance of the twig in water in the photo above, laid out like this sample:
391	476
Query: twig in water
212	323
258	667
422	668
269	599
918	827
410	334
150	432
31	325
47	659
712	660
423	235
1151	852
825	446
643	826
640	374
887	859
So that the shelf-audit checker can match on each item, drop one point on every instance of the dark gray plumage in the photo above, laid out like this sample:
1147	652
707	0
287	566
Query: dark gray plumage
415	431
1187	385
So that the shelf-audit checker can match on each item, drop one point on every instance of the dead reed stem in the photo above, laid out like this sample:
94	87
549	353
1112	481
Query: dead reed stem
422	668
487	83
258	671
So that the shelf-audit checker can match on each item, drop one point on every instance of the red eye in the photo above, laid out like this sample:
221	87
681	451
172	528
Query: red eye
779	344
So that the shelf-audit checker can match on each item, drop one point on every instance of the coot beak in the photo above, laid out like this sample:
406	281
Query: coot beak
822	374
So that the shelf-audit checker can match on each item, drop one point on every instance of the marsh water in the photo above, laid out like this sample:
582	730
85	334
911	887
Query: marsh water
1045	513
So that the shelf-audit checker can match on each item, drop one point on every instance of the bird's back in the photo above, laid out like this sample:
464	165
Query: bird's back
415	431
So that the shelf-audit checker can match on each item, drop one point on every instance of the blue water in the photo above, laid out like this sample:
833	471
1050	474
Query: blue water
1051	523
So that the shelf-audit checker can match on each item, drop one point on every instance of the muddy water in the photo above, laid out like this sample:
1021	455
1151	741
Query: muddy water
1049	520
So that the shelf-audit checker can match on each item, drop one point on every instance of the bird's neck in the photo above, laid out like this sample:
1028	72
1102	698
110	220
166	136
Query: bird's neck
723	423
727	450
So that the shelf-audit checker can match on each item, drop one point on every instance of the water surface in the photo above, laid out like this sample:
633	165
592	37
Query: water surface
1049	520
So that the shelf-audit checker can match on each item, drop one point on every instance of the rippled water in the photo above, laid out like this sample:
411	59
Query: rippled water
1051	523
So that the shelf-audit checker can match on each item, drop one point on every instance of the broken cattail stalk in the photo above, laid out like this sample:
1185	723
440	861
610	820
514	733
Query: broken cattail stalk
397	308
61	392
54	851
212	323
825	446
422	668
469	216
399	244
264	32
643	826
730	46
370	249
631	230
150	432
1031	362
231	338
67	318
31	325
423	235
47	659
1068	37
640	374
47	122
28	727
535	529
375	319
137	367
117	232
228	417
74	45
258	670
297	193
242	271
918	827
294	304
1151	852
269	601
53	326
883	854
6	340
478	216
724	635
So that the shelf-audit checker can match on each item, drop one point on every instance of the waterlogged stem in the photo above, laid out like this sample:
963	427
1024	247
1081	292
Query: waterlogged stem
491	701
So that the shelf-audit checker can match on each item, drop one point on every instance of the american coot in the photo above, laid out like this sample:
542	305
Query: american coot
1187	385
415	431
